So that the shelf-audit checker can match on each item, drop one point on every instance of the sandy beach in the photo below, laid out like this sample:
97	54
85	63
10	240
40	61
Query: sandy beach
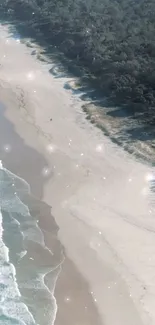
100	196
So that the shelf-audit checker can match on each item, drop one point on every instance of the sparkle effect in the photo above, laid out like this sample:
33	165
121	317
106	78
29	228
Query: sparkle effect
45	171
99	148
7	148
70	142
51	148
30	76
149	177
67	299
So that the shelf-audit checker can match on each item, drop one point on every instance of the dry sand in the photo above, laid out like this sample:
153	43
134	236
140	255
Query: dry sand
99	194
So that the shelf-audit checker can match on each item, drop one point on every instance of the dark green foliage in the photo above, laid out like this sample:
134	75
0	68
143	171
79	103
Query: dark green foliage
113	39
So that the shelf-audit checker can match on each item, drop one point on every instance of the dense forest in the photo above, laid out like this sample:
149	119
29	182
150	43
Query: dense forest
113	39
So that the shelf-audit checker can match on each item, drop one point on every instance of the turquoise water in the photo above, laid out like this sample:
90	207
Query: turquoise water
25	260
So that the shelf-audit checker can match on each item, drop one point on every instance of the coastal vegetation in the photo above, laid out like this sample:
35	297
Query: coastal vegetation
113	40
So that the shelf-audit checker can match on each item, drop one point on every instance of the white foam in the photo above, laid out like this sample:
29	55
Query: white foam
22	254
1	165
13	176
32	232
10	295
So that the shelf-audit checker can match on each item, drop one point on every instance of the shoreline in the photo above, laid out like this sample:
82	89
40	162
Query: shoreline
47	224
87	169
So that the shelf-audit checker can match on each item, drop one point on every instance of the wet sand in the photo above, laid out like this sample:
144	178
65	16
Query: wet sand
28	164
99	194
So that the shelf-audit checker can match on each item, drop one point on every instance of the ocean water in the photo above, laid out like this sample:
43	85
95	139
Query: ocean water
25	260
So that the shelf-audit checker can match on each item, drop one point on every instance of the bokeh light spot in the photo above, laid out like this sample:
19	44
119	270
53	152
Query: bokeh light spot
45	171
7	148
99	148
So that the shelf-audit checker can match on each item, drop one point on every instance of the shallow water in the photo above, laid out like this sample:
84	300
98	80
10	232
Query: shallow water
25	259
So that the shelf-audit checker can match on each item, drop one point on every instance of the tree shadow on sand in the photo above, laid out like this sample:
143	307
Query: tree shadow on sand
82	84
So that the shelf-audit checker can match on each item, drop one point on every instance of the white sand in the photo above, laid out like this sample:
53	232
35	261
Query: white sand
99	194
